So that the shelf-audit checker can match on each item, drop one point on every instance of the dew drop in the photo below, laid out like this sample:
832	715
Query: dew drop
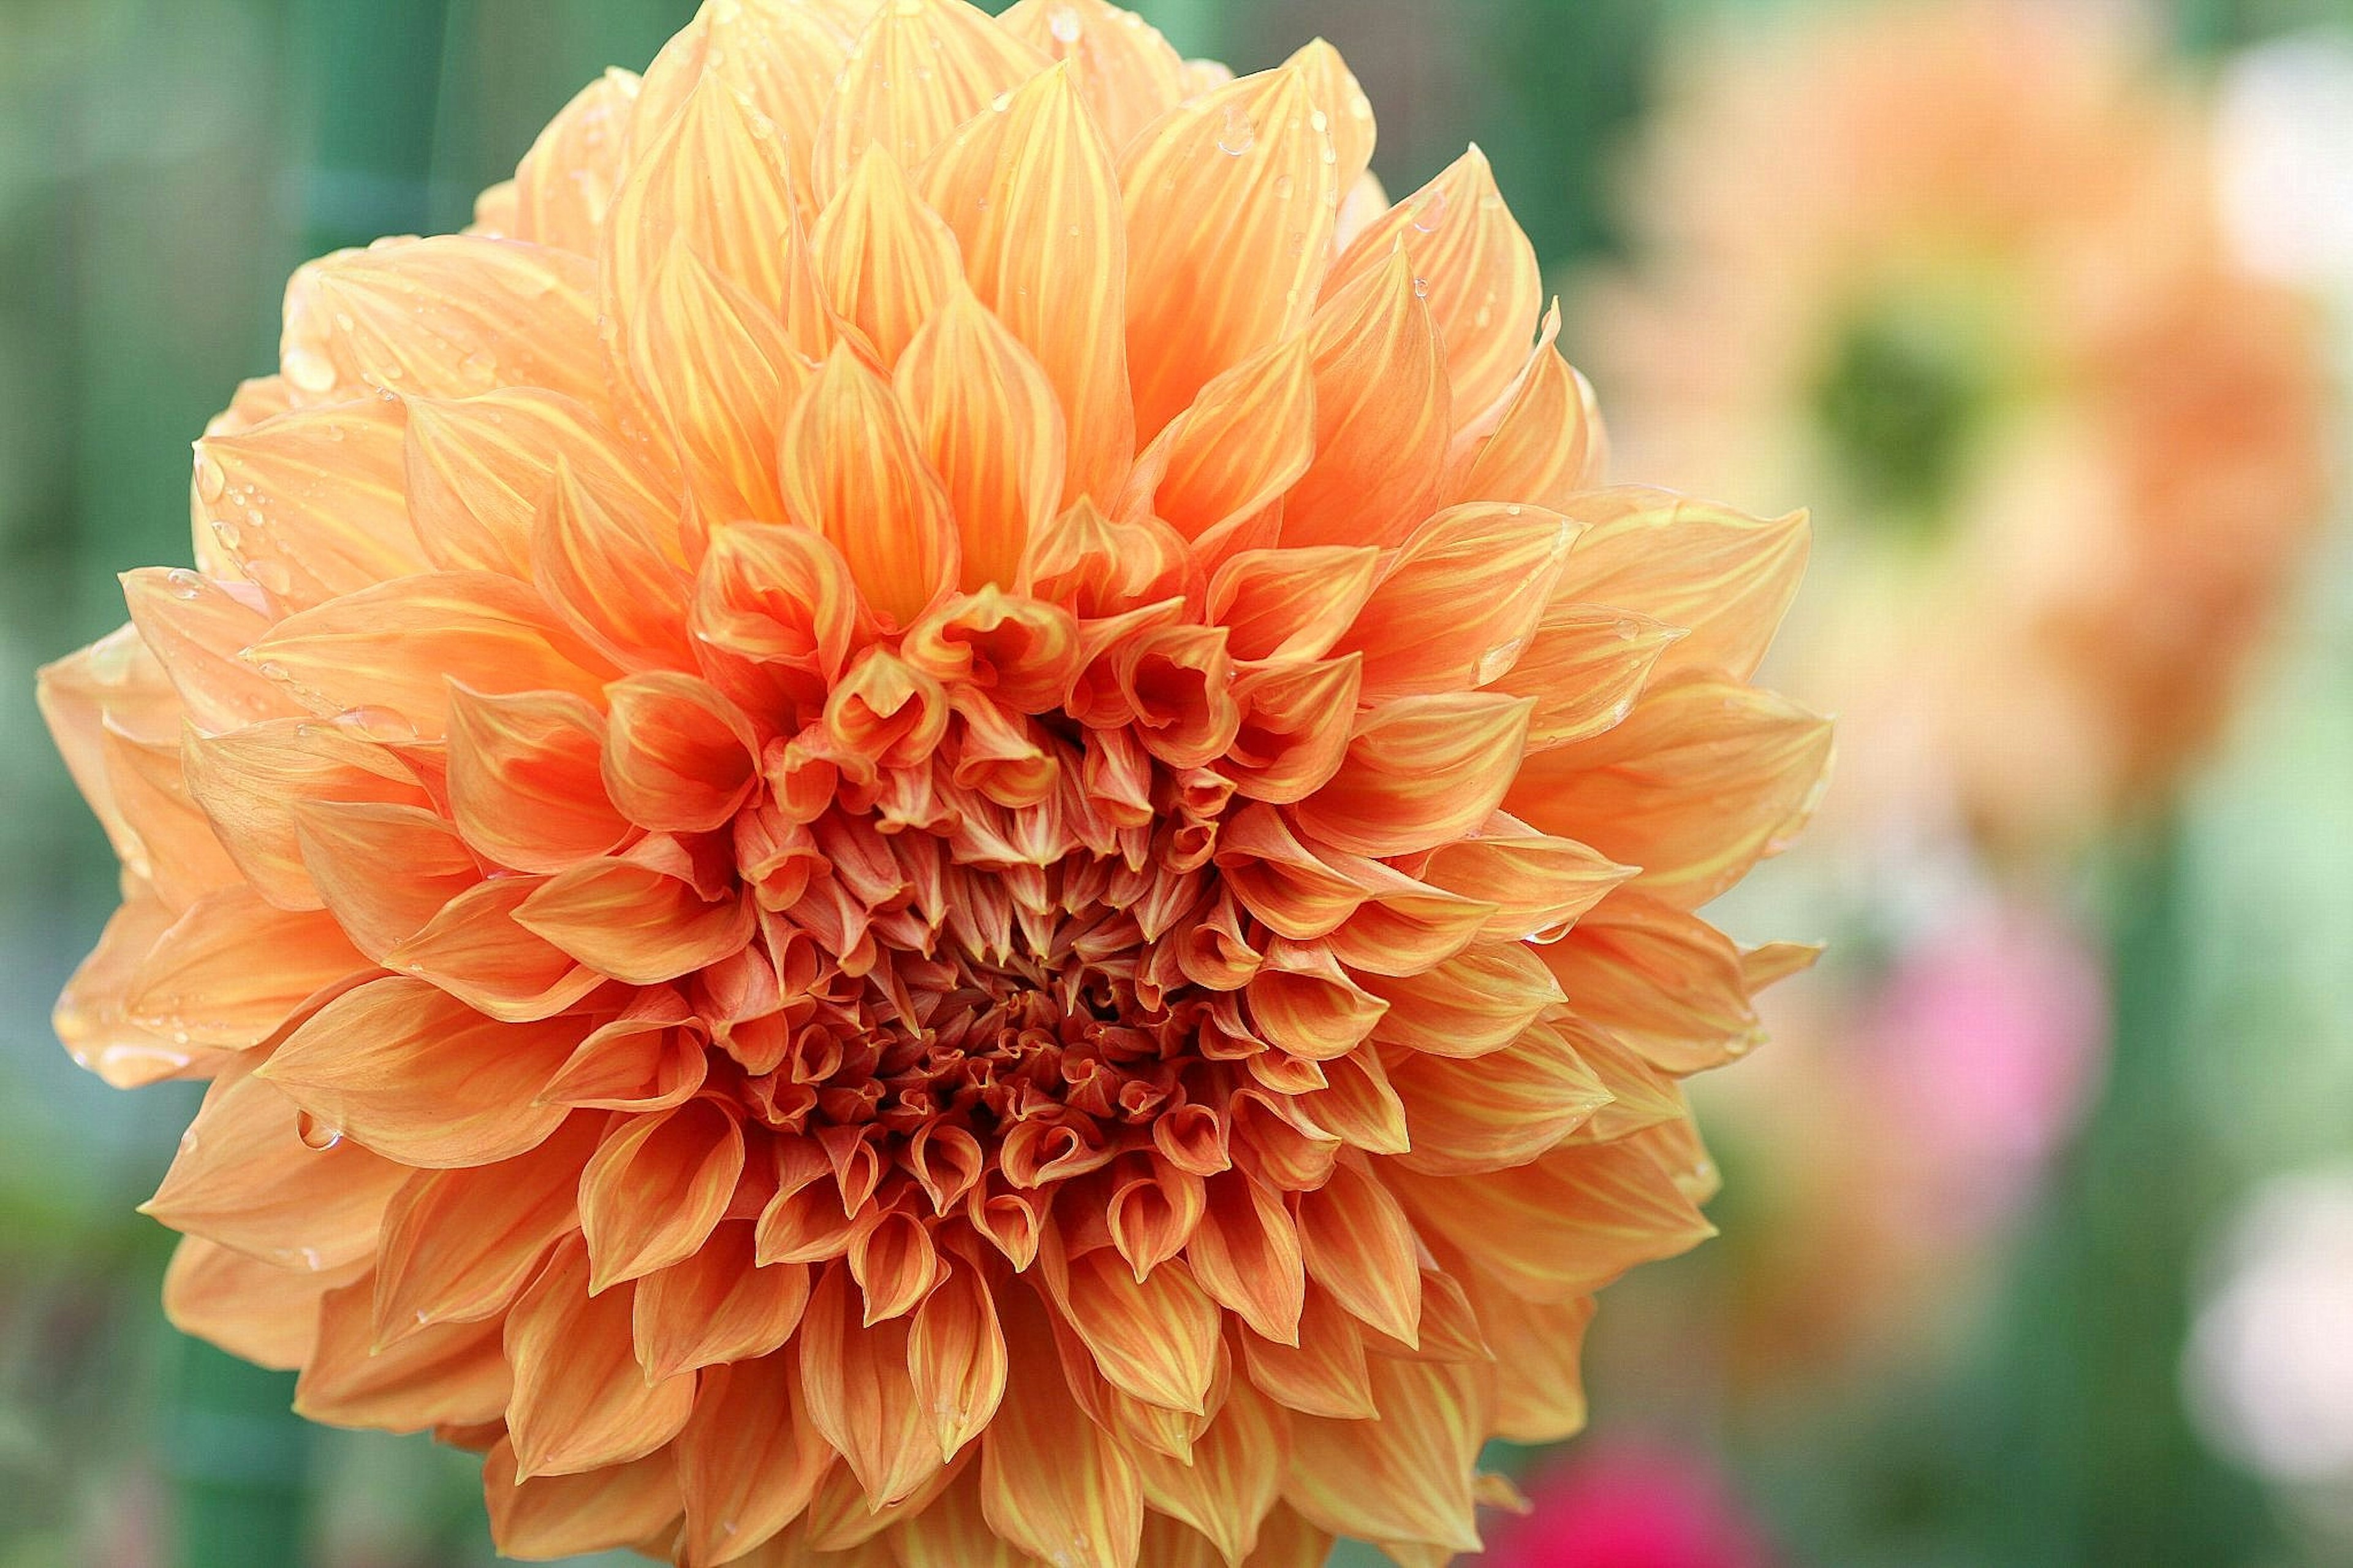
1421	287
1432	212
1237	136
211	480
184	583
1062	21
378	723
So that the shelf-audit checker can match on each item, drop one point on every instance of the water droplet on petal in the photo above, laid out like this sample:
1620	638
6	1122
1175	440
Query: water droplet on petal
1432	212
1237	134
184	583
210	478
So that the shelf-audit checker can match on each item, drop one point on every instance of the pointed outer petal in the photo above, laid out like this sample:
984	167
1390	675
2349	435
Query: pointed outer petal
1403	927
81	694
459	1244
992	427
1586	666
478	469
174	846
953	1533
247	783
1550	443
885	260
713	177
1459	602
1246	1256
1203	297
544	1517
635	923
195	627
1032	194
1406	1477
1542	1397
895	1262
921	69
1357	1104
717	370
452	1374
1242	443
314	501
474	949
1360	1250
679	756
1283	606
1484	291
1382	415
1420	772
1279	879
854	472
775	56
523	781
90	1018
1725	577
1230	1485
1051	1481
1775	962
716	1306
413	1073
445	317
776	614
394	648
1562	1226
383	870
1297	721
861	1394
1127	73
1302	1001
1324	1375
842	1524
1155	1339
256	1312
1504	1109
565	182
244	1178
1022	652
1642	1096
1540	885
656	1187
1287	1541
956	1359
1704	779
580	1401
1475	1002
232	970
1102	568
644	1060
748	1460
1666	983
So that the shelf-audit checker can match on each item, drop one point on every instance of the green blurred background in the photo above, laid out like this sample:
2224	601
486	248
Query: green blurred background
163	163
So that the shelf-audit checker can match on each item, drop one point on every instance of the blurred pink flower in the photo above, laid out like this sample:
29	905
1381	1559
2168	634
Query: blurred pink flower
1630	1507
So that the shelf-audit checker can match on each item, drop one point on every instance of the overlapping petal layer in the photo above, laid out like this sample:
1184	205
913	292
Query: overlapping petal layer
913	825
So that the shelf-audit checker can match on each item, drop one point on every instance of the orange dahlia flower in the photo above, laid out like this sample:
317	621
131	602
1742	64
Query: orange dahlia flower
927	821
1958	271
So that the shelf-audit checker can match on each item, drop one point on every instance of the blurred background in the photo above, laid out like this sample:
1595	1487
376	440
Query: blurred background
2039	1210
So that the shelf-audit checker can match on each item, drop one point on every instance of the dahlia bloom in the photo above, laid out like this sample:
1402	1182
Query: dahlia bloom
928	819
1959	271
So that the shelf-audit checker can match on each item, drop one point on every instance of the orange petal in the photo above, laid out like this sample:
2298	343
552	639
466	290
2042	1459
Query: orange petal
523	781
1725	578
580	1402
953	1533
1155	1338
445	317
990	424
1538	884
1050	1482
678	757
565	185
196	627
1236	1471
1503	1110
417	1075
231	971
1703	779
1406	1477
396	648
1246	1255
1459	600
1420	772
542	1518
635	923
1126	72
1543	1399
1301	1001
475	949
779	60
717	1306
255	1311
1382	415
1237	449
1325	1373
1483	289
1474	1003
656	1186
749	1459
713	177
1666	983
861	1394
1297	720
346	847
92	1018
459	1244
1585	666
1359	1248
170	842
246	1179
1206	293
955	1358
921	69
312	504
1033	196
885	259
854	472
452	1374
1549	444
647	1059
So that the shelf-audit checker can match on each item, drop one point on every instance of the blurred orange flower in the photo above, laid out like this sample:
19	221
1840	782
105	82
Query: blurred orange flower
877	819
1957	269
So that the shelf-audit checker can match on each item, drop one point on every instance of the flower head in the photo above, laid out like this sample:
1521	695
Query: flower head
1976	297
929	818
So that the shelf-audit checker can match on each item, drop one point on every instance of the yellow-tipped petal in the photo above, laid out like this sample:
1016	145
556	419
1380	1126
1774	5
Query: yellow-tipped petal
854	472
921	69
580	1402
